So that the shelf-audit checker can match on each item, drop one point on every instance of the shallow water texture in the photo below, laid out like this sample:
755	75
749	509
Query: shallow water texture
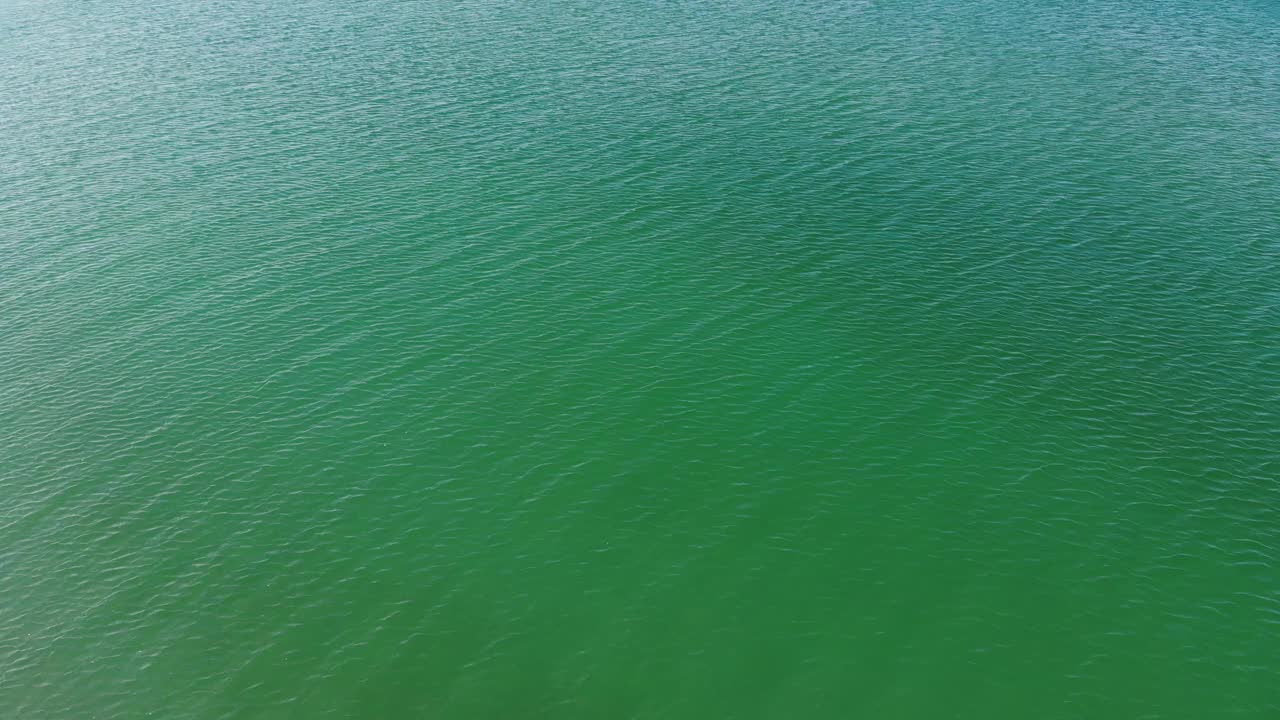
663	360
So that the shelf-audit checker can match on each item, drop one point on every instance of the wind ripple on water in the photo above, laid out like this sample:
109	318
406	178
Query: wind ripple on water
591	359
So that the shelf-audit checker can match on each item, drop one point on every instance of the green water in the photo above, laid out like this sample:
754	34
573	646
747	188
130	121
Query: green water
604	359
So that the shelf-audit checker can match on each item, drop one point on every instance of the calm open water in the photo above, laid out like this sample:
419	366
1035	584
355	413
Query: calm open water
617	359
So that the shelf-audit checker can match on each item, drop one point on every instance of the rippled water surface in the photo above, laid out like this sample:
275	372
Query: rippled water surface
604	359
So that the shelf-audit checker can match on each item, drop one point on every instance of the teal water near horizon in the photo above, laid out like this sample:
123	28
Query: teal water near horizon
603	359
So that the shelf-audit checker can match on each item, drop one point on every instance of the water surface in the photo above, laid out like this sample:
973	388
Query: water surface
603	359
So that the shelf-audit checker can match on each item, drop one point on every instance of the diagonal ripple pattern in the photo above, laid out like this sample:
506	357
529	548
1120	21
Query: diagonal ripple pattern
657	360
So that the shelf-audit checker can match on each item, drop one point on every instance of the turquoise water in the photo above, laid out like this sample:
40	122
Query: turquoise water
603	359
